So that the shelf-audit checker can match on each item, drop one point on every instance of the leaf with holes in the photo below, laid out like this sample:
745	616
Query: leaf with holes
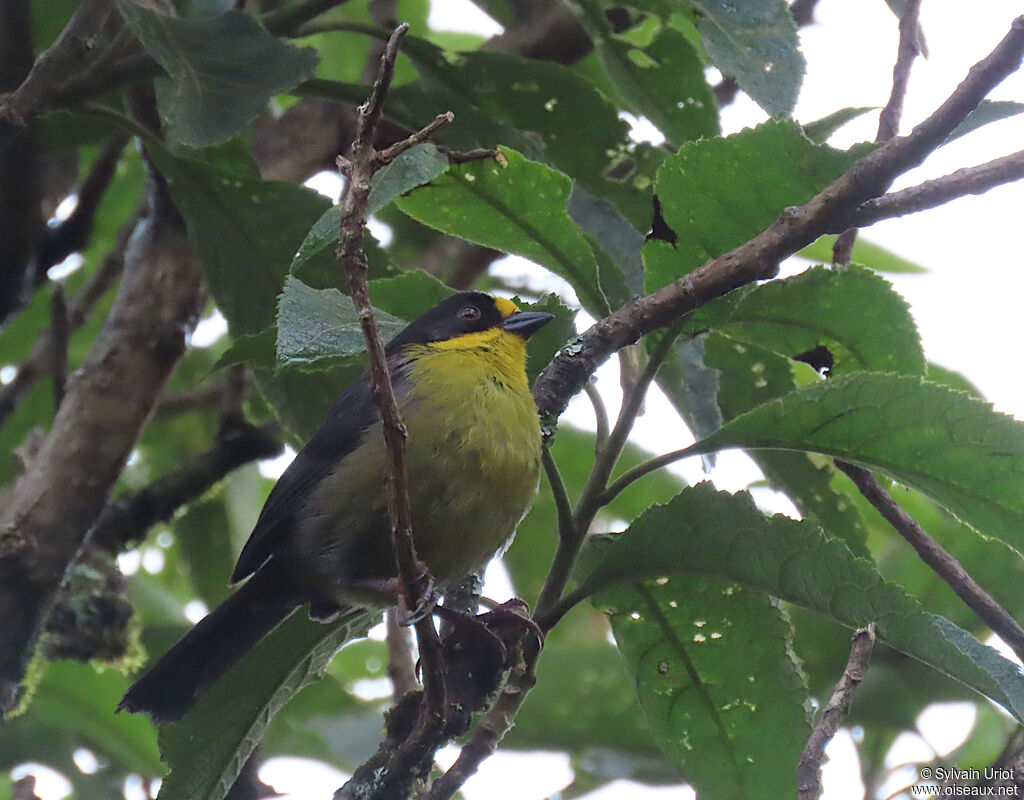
717	680
245	229
849	309
715	534
707	199
751	375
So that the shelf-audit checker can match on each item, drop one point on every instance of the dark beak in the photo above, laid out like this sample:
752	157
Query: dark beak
527	323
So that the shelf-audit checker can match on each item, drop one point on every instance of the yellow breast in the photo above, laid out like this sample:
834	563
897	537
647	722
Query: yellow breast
474	446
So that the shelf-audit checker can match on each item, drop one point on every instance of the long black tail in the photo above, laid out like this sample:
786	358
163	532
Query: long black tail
173	684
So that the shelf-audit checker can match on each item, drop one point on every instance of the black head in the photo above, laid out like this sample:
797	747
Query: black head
469	312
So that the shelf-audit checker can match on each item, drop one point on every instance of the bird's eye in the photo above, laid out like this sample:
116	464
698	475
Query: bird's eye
469	313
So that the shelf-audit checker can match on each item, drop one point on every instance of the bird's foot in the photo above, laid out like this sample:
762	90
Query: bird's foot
506	624
426	603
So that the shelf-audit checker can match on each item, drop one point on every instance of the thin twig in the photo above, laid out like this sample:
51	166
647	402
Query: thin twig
359	168
632	403
938	558
563	507
72	234
127	518
59	350
938	191
490	730
389	154
594	488
401	662
640	470
600	417
807	771
889	119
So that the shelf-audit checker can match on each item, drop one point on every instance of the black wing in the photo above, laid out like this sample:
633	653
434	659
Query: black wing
351	414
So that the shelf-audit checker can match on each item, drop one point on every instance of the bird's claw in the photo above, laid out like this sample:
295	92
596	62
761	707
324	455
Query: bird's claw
425	605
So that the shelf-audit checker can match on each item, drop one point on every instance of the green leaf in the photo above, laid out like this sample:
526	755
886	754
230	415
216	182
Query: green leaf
256	349
207	748
947	445
706	198
663	81
750	375
317	324
717	681
986	112
756	43
529	558
692	386
413	168
954	380
223	70
246	231
74	698
864	252
408	295
583	700
716	534
518	207
850	309
615	236
301	398
543	103
202	534
548	340
416	166
322	236
820	130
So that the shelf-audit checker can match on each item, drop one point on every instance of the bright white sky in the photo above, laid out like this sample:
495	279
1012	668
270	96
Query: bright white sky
966	308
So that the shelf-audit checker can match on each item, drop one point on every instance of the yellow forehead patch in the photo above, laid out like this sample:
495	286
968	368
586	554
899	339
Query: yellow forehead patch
505	307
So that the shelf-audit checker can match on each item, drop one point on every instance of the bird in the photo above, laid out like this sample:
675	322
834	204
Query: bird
323	538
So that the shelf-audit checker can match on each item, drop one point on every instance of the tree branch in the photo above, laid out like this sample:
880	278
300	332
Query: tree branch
938	191
54	64
807	770
54	504
831	211
127	518
938	558
490	730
